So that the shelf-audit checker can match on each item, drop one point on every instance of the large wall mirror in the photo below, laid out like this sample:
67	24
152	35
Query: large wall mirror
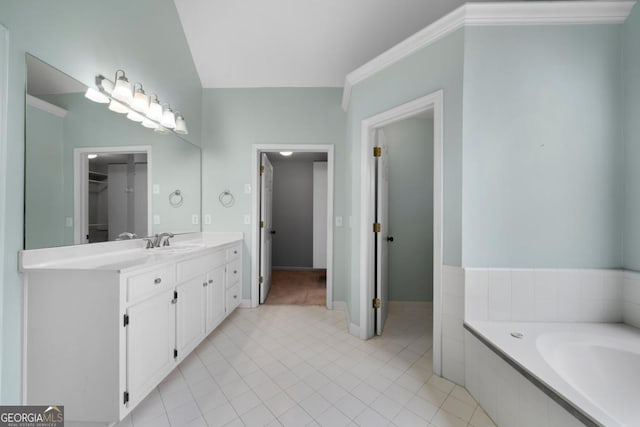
91	175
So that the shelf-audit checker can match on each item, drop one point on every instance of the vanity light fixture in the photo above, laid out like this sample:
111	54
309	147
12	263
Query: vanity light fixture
286	153
139	107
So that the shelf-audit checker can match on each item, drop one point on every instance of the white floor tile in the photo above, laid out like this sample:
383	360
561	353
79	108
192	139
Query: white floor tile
279	404
407	418
297	366
257	417
294	417
245	402
371	418
332	417
315	404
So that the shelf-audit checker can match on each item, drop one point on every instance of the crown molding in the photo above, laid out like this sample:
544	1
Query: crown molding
493	14
46	106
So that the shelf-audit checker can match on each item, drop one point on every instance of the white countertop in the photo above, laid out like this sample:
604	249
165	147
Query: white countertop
123	255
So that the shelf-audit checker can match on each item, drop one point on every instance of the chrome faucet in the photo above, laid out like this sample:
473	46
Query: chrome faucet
126	236
159	239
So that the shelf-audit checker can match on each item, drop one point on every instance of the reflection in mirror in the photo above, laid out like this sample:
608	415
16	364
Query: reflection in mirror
113	195
63	204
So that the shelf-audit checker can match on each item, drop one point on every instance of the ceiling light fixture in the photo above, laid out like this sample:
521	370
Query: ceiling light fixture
286	153
139	107
91	156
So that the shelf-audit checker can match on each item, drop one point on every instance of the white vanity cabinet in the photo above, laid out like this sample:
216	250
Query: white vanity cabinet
99	340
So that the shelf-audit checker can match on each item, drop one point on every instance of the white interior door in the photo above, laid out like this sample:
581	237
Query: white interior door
382	218
319	215
266	198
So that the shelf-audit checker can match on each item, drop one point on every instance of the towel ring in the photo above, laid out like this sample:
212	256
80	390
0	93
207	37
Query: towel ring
226	199
176	199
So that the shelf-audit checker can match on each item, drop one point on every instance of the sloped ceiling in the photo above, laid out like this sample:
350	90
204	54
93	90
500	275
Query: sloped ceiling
296	43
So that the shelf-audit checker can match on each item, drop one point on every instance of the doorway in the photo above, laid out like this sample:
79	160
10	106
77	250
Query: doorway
112	193
298	224
371	259
263	231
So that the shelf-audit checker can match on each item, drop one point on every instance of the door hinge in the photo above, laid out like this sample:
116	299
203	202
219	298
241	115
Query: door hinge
126	320
125	397
261	224
376	303
261	169
261	279
377	151
175	294
376	227
175	353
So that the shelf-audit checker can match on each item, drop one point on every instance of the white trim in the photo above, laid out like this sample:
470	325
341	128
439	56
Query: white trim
480	14
80	185
433	101
245	303
353	328
4	88
46	106
257	150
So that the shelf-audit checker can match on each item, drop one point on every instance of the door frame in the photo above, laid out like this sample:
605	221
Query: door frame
81	186
256	152
435	102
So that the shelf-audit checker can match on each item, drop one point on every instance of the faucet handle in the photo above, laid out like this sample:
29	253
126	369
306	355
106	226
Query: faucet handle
149	242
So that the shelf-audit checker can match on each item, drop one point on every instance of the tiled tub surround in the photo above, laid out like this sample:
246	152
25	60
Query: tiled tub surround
590	369
499	301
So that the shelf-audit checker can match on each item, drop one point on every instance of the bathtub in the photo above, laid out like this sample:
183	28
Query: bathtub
590	369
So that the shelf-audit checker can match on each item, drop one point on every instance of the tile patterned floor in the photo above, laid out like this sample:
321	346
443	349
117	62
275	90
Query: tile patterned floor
298	366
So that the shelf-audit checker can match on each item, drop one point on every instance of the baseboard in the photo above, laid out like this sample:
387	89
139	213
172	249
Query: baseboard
353	328
245	303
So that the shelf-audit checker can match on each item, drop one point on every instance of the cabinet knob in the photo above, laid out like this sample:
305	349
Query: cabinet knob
210	281
235	271
157	280
235	252
204	284
235	296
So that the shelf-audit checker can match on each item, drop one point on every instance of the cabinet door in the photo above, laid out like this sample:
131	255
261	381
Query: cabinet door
190	314
215	298
150	344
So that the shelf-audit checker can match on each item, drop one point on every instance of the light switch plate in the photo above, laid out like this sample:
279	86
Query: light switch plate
338	221
207	219
247	189
247	219
194	219
156	219
156	189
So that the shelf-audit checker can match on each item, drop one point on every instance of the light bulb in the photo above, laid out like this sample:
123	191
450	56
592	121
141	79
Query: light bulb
181	125
117	107
91	156
140	101
161	130
286	153
136	117
149	124
96	96
168	119
122	90
155	110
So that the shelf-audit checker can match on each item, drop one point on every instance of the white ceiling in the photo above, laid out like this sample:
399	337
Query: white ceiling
296	43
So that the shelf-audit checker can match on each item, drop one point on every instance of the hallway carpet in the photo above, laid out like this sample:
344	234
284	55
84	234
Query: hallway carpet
298	287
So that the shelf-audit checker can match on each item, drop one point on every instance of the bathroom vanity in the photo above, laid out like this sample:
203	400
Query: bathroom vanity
106	323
